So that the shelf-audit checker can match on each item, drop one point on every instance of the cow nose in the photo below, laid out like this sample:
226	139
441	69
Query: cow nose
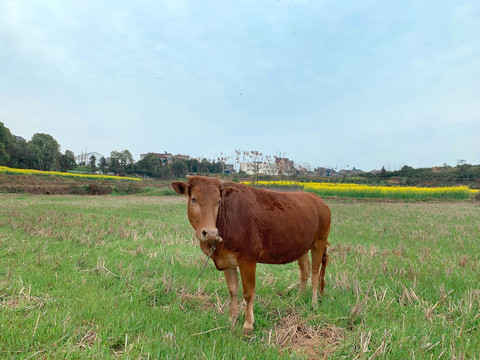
209	234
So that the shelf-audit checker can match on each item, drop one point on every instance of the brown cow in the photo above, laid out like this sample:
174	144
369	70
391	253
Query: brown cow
251	226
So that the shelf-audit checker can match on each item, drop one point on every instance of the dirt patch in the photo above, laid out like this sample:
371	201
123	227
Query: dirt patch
99	189
23	299
200	298
312	341
88	337
49	185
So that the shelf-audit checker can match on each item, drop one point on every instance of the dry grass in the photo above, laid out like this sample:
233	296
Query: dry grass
89	336
311	341
23	299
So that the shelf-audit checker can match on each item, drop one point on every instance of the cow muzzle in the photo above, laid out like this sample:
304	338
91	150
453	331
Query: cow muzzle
209	235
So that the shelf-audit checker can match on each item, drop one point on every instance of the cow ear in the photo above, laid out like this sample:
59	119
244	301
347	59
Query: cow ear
228	190
180	187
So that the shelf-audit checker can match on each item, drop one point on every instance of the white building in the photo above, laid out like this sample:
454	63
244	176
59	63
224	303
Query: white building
252	168
85	158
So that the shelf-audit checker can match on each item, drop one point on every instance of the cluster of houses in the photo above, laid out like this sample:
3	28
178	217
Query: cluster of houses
280	166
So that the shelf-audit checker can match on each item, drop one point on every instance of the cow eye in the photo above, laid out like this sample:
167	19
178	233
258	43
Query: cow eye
194	200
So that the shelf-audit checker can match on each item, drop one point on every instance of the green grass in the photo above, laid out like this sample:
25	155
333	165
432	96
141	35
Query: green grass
102	277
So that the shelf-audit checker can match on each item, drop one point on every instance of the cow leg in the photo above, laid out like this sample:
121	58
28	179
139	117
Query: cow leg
318	251
231	275
247	271
304	265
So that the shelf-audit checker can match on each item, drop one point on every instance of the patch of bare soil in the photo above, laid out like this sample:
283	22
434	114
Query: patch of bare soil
314	342
23	299
88	338
201	298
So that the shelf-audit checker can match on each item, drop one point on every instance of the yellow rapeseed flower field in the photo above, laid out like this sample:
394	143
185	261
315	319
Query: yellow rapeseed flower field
368	191
12	171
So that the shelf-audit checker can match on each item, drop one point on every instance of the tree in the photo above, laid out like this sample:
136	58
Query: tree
48	150
406	171
115	163
103	164
203	167
6	139
179	168
150	165
192	165
4	157
121	162
24	155
6	136
93	163
166	172
67	161
126	160
19	154
383	172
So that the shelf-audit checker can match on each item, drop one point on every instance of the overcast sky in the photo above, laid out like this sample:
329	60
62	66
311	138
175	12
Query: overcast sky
362	83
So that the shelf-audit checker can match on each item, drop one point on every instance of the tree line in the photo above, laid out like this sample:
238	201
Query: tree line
445	175
42	152
461	174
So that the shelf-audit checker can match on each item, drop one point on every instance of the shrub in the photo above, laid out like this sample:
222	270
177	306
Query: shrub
127	187
476	195
78	189
99	189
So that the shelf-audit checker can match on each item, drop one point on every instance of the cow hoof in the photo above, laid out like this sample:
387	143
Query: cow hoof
247	328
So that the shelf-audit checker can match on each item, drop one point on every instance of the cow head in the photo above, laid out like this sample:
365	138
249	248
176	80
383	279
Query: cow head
205	196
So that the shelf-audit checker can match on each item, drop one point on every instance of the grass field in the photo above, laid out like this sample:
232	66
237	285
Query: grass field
102	277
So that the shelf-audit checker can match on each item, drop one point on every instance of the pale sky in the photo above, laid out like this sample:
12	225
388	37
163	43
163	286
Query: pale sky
362	84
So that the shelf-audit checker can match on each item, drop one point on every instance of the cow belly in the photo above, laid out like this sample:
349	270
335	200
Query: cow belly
284	252
286	239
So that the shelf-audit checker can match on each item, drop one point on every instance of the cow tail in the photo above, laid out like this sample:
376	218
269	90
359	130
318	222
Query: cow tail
322	270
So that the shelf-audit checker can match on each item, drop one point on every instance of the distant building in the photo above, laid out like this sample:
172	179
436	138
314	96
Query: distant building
165	158
305	171
345	172
285	166
321	171
259	168
19	138
356	171
228	168
181	157
84	158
